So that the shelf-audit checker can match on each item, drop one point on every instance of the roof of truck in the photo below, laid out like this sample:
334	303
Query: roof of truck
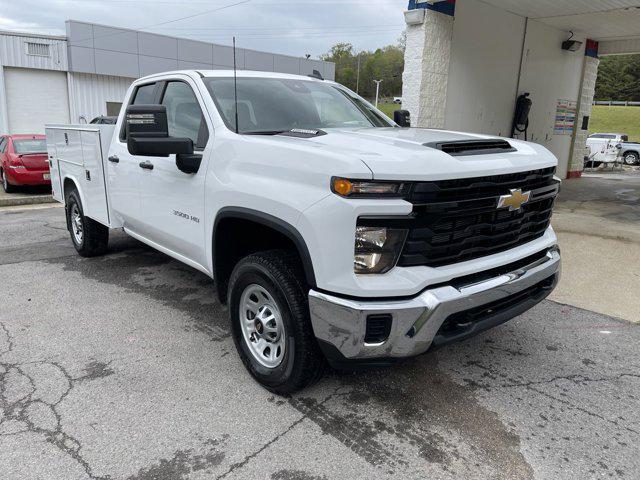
239	73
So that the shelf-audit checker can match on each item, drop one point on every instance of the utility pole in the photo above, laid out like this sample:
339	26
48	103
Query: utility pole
377	82
358	77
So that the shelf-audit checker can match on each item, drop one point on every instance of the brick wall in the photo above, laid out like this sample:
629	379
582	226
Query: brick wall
584	109
426	69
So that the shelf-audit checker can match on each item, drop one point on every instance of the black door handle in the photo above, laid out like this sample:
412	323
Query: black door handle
146	165
114	159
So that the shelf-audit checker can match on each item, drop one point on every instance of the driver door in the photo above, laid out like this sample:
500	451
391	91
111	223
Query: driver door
171	201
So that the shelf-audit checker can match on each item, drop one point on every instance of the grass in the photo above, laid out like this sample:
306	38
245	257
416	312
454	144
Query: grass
388	108
606	119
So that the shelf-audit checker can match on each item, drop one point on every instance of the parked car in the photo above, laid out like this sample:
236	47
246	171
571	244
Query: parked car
23	161
333	234
104	121
630	152
602	147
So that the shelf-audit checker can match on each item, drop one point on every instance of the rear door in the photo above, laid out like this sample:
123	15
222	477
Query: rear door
123	170
172	202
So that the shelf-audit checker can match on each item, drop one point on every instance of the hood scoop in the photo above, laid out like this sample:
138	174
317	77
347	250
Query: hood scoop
472	147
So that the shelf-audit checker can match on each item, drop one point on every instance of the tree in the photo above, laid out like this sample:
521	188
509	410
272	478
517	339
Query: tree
385	63
619	78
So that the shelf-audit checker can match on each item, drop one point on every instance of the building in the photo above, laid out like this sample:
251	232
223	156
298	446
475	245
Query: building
467	61
85	74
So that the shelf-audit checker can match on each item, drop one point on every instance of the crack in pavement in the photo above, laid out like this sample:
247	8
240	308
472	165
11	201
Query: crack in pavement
25	410
530	386
254	454
576	378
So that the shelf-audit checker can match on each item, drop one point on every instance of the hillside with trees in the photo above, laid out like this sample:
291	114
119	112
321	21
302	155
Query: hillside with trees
386	64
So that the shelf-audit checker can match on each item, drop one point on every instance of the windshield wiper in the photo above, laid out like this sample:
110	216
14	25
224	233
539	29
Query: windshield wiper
294	132
264	132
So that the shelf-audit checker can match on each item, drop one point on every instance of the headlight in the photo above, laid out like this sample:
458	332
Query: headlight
368	189
377	248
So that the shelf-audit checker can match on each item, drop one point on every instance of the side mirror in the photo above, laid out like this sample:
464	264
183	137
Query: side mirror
402	118
188	163
148	133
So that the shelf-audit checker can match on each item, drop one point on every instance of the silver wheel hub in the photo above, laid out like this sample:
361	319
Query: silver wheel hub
76	224
262	326
630	159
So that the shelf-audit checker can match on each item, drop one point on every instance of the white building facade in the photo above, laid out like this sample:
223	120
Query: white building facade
85	74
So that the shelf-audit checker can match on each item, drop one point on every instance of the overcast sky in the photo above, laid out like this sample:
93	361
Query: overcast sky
294	27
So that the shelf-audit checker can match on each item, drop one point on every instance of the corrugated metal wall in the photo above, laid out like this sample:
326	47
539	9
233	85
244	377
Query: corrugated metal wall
90	93
13	52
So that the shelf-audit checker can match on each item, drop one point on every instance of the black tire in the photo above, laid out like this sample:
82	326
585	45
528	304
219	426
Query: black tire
95	236
6	186
280	274
631	158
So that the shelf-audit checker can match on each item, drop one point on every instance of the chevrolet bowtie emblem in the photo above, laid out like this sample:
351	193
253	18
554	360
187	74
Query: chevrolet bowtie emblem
514	200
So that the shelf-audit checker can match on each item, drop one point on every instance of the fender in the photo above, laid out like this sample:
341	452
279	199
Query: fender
276	224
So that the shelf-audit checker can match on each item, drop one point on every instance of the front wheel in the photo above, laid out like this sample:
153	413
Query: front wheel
270	322
89	237
631	158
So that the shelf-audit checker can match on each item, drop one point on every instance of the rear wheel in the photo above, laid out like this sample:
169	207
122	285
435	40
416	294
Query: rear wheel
6	186
270	322
89	237
631	158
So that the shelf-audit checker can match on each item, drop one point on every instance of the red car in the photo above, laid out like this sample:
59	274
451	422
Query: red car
23	161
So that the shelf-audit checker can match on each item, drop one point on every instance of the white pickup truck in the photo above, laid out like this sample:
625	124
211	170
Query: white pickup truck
333	234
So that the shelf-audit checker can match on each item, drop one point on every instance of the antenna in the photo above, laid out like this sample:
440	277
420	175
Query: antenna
235	82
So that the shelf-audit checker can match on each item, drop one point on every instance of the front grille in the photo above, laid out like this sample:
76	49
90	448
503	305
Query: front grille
458	220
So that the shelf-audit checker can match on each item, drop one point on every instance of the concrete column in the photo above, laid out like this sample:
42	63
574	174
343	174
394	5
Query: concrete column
585	103
4	114
426	63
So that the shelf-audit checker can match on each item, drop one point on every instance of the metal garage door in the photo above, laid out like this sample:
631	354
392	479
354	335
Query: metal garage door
34	98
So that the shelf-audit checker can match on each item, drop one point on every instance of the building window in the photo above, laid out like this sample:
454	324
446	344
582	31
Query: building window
113	109
38	49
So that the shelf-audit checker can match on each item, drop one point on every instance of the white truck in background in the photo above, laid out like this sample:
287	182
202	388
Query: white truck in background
603	147
333	234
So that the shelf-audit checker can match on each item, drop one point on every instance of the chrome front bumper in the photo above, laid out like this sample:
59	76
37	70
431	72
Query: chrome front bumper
341	323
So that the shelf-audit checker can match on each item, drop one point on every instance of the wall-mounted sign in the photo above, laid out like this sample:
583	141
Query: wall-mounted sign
565	117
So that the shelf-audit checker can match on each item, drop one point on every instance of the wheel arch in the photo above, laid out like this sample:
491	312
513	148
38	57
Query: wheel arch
221	263
69	182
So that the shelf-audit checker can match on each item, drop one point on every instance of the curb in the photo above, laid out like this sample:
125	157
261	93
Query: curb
31	200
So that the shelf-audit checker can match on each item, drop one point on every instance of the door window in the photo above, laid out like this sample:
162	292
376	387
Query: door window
184	116
145	95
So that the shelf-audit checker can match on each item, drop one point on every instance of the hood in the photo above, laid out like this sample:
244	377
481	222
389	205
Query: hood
404	154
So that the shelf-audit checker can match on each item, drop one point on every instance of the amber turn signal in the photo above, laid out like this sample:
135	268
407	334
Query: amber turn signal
341	186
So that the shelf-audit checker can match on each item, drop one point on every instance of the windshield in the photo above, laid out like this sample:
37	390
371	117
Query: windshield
272	105
25	147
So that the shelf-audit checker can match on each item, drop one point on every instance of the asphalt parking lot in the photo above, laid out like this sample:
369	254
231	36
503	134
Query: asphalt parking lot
122	367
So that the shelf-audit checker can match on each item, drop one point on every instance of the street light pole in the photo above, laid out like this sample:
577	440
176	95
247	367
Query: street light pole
377	82
358	77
